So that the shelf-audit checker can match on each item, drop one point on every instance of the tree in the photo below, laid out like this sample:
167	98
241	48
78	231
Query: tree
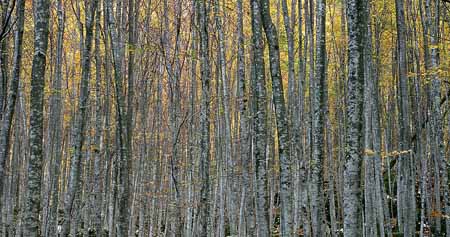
33	198
281	119
405	166
7	119
259	122
97	198
80	125
56	123
204	209
124	161
355	94
318	129
432	62
244	133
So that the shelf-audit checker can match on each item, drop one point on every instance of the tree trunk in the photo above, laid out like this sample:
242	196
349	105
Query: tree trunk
259	122
97	198
192	141
405	196
56	125
33	198
6	120
318	129
355	94
123	164
81	120
204	208
281	119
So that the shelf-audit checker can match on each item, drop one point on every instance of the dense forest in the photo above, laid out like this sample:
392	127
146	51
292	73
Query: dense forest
224	118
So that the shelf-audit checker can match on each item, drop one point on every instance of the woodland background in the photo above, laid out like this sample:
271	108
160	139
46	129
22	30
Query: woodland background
224	118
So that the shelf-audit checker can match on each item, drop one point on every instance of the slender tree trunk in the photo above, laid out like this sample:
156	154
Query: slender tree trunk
288	26
355	94
405	196
259	122
123	164
33	198
108	156
81	120
174	77
281	119
56	122
192	141
299	128
225	82
244	134
436	123
5	22
370	187
319	106
6	120
132	19
97	198
204	208
384	218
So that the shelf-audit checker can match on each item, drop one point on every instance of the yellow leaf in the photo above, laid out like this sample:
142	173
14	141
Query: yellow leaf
369	152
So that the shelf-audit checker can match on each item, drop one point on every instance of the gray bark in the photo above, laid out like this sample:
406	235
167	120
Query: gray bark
80	124
6	120
97	198
318	129
383	213
281	120
288	26
173	69
405	186
370	224
354	136
33	198
192	141
56	124
436	123
5	23
244	133
204	208
228	149
132	19
259	123
299	129
123	158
